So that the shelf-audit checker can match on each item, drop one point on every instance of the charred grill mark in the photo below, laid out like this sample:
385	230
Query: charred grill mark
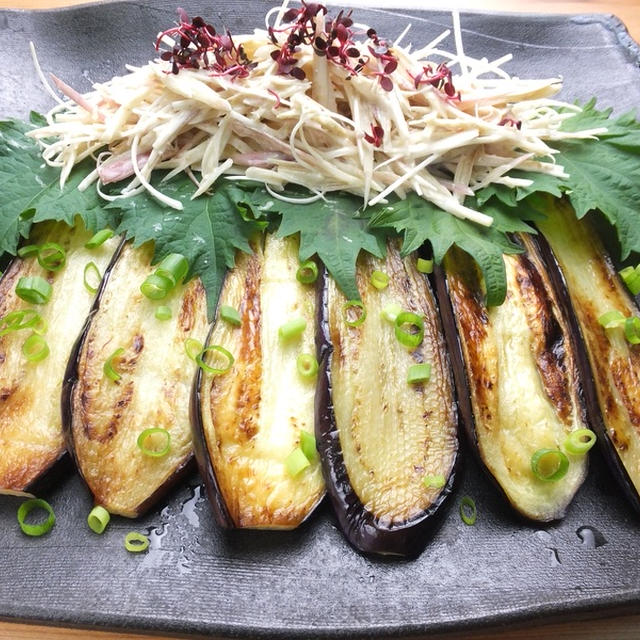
91	429
626	383
138	343
245	385
7	392
549	347
190	305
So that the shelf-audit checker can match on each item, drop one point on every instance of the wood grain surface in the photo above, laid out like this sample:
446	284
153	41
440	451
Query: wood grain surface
617	628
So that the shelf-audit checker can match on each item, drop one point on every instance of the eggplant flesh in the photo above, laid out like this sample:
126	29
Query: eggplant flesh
523	378
31	436
250	418
104	418
595	288
379	436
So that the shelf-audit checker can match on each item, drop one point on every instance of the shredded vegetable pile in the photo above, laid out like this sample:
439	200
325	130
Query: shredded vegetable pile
318	102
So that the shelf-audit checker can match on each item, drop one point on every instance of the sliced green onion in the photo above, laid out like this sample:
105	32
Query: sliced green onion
109	369
52	256
380	280
632	330
193	348
631	277
215	348
154	452
611	319
412	335
419	373
292	329
549	464
579	442
35	529
135	542
28	250
99	238
424	266
230	315
35	348
155	287
307	272
296	462
34	289
434	482
98	519
174	268
307	365
163	313
468	511
22	319
308	445
352	305
391	312
41	325
91	270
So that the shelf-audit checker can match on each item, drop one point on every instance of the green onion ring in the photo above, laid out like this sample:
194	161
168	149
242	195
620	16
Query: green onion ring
419	373
468	511
576	445
108	368
561	466
154	453
307	273
307	366
434	482
163	313
424	266
52	256
308	445
405	337
292	329
34	289
347	307
173	268
35	529
193	348
632	330
135	542
155	287
391	311
98	519
35	348
28	250
99	238
611	319
379	279
212	370
230	315
296	462
92	268
15	321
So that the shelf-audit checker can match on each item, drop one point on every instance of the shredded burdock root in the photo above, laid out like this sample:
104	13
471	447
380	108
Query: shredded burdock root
318	102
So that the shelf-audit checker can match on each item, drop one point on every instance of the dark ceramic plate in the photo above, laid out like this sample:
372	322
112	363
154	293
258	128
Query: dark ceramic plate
309	582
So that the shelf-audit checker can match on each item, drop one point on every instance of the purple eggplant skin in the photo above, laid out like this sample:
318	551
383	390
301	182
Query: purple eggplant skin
202	456
363	530
595	416
563	353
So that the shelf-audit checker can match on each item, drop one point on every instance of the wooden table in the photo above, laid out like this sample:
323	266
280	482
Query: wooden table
617	628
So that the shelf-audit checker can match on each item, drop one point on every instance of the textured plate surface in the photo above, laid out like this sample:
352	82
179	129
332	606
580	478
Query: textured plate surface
310	582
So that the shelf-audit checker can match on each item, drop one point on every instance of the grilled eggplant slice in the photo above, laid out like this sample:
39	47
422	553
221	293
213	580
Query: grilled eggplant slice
104	418
31	439
250	419
595	288
518	377
379	437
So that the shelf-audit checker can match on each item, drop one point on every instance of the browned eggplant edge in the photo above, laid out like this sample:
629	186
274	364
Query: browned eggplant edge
460	373
62	465
70	381
203	457
361	528
588	389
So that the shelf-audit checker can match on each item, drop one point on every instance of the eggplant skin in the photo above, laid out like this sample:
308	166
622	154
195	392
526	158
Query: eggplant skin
376	487
31	435
103	418
612	365
248	420
518	375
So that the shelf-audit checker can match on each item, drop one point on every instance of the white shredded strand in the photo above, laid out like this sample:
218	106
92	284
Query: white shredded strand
43	80
316	132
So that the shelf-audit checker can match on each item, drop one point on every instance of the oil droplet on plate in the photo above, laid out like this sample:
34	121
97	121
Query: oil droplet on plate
590	537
